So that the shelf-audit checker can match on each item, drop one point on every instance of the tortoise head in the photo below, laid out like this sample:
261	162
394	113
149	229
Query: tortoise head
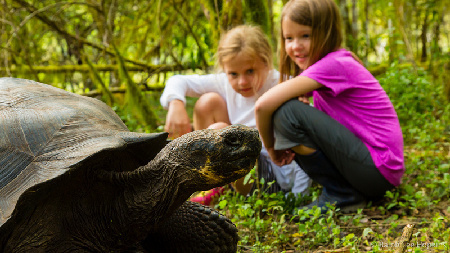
209	158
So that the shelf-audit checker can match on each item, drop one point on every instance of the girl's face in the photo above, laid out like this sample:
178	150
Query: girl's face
297	41
246	74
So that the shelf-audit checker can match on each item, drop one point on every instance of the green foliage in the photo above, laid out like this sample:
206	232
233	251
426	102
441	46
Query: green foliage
426	183
48	40
130	121
315	229
258	215
421	108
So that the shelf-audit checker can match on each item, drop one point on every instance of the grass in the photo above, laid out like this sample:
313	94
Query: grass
265	224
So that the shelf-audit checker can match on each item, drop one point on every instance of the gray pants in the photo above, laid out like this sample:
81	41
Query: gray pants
296	123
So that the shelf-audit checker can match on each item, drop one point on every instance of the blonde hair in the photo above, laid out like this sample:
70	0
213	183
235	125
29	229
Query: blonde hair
324	19
246	39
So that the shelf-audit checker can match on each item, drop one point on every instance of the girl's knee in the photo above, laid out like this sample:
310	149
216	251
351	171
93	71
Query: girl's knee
210	109
287	112
290	120
209	102
218	125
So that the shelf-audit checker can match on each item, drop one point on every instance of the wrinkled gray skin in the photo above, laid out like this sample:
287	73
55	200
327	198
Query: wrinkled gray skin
126	196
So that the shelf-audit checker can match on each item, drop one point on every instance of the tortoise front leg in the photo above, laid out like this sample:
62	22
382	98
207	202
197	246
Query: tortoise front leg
194	228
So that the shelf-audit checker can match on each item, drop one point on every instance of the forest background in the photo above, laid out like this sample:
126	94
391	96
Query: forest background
123	51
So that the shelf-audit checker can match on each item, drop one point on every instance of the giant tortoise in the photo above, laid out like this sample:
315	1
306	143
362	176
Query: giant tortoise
74	178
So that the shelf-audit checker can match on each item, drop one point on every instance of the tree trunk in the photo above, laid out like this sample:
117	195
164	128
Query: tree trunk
398	4
366	28
347	25
210	13
437	31
231	14
393	54
134	96
354	27
423	37
259	14
273	36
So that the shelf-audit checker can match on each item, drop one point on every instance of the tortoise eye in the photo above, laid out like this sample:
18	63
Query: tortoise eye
232	140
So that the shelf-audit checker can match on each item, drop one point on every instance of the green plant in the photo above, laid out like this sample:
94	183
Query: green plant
419	103
130	121
316	228
258	215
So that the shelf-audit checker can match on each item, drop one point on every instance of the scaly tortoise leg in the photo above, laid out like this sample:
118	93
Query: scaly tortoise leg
194	228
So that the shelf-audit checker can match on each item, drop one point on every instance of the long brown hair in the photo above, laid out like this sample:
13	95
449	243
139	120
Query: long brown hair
325	21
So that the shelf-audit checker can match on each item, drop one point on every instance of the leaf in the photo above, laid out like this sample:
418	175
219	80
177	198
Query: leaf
223	203
259	202
262	181
247	178
367	231
350	236
297	235
389	194
391	206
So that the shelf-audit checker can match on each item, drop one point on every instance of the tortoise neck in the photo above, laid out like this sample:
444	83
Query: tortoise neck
154	191
162	187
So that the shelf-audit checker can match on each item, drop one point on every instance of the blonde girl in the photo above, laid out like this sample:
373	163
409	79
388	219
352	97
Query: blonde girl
350	142
245	56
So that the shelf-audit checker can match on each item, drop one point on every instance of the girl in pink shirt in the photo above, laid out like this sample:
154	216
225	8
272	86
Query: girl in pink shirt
351	141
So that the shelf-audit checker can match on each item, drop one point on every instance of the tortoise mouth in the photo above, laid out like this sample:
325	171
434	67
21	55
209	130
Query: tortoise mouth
238	166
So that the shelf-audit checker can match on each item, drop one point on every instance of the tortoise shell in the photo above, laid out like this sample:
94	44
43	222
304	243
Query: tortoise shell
44	131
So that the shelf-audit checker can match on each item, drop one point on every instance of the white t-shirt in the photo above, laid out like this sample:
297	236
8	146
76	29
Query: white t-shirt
240	111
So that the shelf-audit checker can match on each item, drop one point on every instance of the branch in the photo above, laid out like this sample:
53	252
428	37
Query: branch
35	12
193	34
404	239
118	90
101	68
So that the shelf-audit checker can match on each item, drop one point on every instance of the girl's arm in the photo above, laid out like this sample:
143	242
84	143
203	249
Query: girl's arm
269	102
177	119
174	98
182	86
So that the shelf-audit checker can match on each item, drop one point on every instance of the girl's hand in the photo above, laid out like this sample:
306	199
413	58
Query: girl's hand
303	99
177	120
281	157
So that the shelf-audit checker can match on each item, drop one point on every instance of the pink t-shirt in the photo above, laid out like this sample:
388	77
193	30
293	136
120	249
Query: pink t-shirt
354	97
